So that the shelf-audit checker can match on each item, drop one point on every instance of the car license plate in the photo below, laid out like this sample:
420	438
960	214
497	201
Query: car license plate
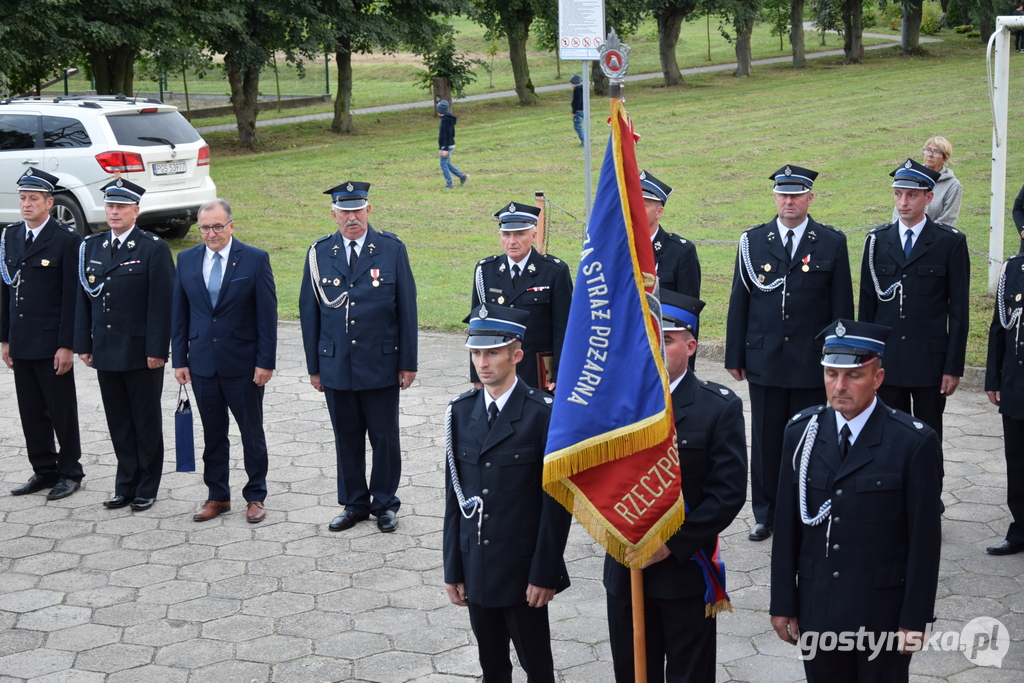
169	168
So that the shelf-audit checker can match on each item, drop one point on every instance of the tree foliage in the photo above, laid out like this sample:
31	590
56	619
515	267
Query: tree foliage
443	60
511	19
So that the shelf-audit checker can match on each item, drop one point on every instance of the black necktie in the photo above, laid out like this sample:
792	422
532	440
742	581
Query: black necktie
515	278
352	256
114	245
492	413
789	242
28	240
844	441
908	245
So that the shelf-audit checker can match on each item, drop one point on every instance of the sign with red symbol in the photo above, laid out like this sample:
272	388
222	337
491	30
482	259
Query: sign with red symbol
580	28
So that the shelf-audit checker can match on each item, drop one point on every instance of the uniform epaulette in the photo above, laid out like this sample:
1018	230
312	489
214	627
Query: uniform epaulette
146	233
392	235
832	228
883	226
1021	254
321	239
549	257
806	413
471	392
540	397
68	228
675	238
913	423
948	228
756	227
717	389
488	259
96	234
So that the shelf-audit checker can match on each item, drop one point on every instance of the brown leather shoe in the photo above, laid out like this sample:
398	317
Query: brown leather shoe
210	509
254	512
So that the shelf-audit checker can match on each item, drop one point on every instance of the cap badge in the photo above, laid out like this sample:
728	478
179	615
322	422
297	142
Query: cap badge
119	183
483	312
349	187
789	171
29	172
840	330
512	207
909	164
643	175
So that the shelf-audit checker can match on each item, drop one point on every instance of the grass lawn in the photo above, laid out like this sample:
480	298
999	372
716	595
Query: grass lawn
716	140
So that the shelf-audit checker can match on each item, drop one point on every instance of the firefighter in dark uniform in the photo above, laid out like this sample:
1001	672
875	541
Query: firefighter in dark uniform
503	534
1004	385
680	624
123	330
919	286
357	305
525	279
857	530
39	258
792	279
676	258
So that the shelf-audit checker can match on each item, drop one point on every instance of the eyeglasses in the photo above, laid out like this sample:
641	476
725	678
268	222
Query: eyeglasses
933	152
218	228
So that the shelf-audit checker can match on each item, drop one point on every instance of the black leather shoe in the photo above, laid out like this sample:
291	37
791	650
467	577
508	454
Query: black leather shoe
1005	548
346	520
387	521
142	503
63	489
116	502
35	483
760	532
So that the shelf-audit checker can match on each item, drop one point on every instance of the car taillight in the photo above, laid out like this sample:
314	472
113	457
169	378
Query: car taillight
126	162
204	156
148	110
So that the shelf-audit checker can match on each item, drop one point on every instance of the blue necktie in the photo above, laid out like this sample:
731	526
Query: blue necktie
216	274
908	244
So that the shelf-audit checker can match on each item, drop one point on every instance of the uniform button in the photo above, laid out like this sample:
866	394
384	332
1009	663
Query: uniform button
839	492
836	547
785	339
214	320
353	342
352	303
788	293
108	327
485	491
21	315
214	339
487	517
486	543
903	339
487	465
515	457
787	317
835	575
904	276
108	278
351	286
352	322
878	483
835	520
683	442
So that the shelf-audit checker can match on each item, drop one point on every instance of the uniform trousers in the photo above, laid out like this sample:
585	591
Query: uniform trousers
853	667
214	397
770	410
924	403
527	628
1013	445
131	400
680	640
354	415
48	405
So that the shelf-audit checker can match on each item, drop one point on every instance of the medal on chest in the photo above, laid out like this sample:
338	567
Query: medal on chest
375	274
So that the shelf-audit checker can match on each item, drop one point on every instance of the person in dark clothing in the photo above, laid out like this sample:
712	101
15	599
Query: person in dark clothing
446	141
1018	216
577	105
1018	36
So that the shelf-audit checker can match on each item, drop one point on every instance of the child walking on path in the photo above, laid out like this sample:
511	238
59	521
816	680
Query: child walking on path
446	141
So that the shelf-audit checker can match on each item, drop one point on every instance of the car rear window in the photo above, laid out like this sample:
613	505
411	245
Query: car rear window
18	131
170	126
59	131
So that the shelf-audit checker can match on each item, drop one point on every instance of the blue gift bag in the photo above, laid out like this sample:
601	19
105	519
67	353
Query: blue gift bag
184	443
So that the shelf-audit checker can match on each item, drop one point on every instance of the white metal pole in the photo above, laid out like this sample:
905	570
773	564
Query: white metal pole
586	137
1000	106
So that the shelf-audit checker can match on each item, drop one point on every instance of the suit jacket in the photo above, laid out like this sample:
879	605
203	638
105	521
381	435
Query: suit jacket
364	344
713	460
773	334
524	529
678	265
240	333
130	320
40	318
545	291
1004	370
929	336
881	566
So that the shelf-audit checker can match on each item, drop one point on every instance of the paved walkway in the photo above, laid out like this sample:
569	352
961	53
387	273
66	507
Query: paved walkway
89	595
501	94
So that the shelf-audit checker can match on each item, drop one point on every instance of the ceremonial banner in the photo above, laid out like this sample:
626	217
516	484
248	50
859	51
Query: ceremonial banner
611	456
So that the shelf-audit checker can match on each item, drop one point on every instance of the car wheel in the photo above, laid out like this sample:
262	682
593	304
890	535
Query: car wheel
169	232
66	210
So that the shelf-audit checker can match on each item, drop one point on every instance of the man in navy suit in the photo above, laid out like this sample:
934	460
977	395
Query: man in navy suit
357	305
123	330
37	330
224	342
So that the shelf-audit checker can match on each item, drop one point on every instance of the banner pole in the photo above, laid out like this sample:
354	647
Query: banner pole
636	580
538	201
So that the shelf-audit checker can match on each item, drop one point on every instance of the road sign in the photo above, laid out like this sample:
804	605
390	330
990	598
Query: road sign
580	28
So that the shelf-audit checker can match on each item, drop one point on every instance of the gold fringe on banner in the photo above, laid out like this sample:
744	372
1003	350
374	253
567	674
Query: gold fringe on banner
715	609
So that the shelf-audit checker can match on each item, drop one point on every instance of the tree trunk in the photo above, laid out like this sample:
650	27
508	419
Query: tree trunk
245	94
342	122
442	91
669	23
599	80
910	40
796	33
853	31
114	70
521	69
743	48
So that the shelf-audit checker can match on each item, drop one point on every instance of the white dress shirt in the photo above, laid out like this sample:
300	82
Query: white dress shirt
208	262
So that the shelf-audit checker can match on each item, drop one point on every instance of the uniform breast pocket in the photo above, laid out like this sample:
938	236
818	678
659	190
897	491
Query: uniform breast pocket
885	268
383	285
466	460
130	269
770	269
537	298
520	468
820	266
880	496
935	270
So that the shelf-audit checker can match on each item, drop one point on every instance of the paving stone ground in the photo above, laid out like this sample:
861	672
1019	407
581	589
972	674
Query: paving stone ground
89	595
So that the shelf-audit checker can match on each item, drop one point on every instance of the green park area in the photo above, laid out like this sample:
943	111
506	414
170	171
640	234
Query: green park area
716	139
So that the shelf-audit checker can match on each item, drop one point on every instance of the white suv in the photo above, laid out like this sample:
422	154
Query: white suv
85	140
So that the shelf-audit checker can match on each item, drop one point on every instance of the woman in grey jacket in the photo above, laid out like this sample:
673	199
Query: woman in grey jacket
945	205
